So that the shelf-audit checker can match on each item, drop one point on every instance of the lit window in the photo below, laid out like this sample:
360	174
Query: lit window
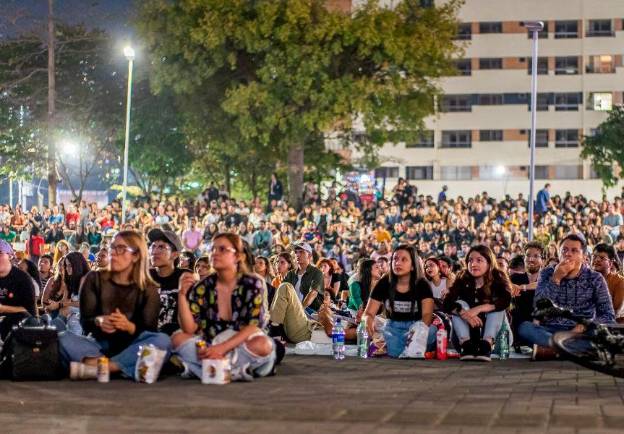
602	102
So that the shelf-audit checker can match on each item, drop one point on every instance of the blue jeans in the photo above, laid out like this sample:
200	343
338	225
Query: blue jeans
395	334
75	348
540	335
493	323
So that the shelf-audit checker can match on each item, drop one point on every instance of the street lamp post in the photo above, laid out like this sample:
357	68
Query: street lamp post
129	53
534	27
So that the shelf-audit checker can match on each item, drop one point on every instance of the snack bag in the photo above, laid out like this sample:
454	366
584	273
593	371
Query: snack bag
149	364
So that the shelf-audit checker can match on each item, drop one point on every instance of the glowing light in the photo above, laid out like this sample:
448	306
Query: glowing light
129	52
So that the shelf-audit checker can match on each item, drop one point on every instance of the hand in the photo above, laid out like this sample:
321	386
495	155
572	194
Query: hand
105	324
562	269
121	322
515	290
187	280
370	325
212	352
579	328
474	321
52	306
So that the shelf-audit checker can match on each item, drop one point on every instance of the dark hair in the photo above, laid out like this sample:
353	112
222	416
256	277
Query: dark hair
46	256
575	237
610	251
190	256
516	262
33	272
415	274
535	245
365	278
80	267
288	258
493	275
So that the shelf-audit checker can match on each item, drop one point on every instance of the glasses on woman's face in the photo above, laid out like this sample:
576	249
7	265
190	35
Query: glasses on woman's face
120	249
222	249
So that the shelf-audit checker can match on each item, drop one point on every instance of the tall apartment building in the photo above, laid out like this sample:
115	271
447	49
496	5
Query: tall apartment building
478	140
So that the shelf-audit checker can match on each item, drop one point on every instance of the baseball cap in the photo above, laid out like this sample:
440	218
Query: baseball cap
303	246
5	247
169	237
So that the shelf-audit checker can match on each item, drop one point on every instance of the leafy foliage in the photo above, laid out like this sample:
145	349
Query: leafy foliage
606	148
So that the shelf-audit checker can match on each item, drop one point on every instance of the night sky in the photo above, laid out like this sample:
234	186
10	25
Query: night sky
112	15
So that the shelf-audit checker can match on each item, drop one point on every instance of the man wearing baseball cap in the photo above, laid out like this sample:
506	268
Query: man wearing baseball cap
307	279
164	248
17	292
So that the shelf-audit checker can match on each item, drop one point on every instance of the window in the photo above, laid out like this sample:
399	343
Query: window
491	63
568	65
491	99
426	3
491	135
457	139
464	66
600	28
542	66
491	27
456	103
387	172
541	138
464	32
566	139
604	64
567	102
425	140
543	101
541	172
568	172
566	29
600	101
419	172
454	173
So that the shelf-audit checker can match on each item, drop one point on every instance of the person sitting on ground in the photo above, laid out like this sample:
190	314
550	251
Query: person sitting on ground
572	285
164	249
361	285
437	282
226	311
45	271
262	266
329	284
283	264
477	301
29	267
606	262
406	297
202	267
306	279
61	297
119	309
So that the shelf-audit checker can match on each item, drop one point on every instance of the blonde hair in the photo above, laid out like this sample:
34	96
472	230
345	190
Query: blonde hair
57	254
237	243
140	269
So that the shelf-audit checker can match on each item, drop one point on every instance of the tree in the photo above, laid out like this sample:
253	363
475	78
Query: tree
283	72
606	148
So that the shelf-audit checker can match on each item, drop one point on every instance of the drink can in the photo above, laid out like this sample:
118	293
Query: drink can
441	344
216	371
103	372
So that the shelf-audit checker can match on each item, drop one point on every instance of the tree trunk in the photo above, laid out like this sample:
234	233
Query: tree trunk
52	177
295	176
228	178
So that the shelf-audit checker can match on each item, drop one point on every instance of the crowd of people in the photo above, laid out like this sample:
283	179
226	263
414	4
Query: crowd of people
248	277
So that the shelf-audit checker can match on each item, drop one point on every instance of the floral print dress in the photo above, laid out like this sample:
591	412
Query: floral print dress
248	307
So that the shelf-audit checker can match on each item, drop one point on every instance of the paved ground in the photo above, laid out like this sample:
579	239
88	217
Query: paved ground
317	394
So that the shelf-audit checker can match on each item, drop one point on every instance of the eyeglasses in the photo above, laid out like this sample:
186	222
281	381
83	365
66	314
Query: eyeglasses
598	258
120	249
222	249
565	250
160	247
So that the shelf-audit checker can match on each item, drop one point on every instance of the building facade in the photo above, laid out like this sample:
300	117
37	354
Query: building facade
479	138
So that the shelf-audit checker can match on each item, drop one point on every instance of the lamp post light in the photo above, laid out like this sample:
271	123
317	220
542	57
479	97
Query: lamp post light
534	27
129	53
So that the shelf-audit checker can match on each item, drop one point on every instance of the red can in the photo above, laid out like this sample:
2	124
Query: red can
441	343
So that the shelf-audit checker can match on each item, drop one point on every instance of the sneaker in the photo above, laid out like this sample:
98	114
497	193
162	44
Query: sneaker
180	367
467	351
80	371
485	351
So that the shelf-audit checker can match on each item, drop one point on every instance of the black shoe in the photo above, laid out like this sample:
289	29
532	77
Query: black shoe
280	351
277	331
467	351
485	352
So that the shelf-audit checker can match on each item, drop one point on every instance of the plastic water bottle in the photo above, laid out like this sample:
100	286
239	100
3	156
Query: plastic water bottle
503	342
362	339
338	340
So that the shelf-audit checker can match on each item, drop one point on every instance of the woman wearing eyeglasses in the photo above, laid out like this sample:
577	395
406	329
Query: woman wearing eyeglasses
119	308
227	310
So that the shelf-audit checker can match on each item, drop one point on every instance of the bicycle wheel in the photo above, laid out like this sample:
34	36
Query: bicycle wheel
579	348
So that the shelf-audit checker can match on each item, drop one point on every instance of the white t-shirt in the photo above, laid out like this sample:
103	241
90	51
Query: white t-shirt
298	287
437	290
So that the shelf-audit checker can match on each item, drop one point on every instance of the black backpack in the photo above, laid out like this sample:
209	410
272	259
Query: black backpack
31	352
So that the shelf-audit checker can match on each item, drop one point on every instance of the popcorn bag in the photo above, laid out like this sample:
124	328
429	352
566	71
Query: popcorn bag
216	371
151	360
